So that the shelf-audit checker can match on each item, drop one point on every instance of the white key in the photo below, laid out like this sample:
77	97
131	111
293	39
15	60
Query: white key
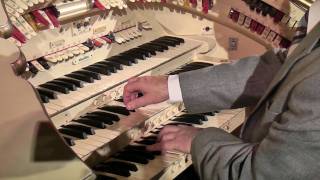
82	145
79	151
91	140
106	133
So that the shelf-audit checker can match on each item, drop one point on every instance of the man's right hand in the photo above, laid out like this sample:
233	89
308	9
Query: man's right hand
153	88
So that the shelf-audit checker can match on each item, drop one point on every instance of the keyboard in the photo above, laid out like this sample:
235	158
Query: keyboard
78	86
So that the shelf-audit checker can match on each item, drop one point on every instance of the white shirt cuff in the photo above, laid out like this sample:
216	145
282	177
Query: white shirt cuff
174	89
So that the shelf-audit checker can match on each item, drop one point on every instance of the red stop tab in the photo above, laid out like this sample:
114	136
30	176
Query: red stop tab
18	35
99	5
39	18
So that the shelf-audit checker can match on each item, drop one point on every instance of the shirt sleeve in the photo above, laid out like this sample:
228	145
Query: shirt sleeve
174	89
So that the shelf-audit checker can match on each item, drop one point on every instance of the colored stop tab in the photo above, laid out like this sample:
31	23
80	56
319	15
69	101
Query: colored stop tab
205	6
52	17
99	5
39	18
109	41
163	1
97	43
193	2
18	35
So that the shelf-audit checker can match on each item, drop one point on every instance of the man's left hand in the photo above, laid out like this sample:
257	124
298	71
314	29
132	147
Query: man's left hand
177	138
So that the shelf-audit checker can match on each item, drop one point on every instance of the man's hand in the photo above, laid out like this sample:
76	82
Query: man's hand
177	138
153	88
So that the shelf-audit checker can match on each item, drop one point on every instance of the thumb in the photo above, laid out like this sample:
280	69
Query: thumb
139	102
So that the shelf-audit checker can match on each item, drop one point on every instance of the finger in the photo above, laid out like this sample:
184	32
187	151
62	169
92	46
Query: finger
163	146
167	137
133	79
168	145
168	129
131	97
139	102
134	96
130	88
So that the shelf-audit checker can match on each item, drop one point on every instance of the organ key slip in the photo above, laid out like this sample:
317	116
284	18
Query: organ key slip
64	64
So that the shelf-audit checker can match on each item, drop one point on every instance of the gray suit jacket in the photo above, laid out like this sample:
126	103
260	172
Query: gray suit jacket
281	138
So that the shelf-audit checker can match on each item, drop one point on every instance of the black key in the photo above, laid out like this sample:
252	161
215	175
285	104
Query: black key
97	117
32	68
162	45
142	148
108	67
114	117
136	55
69	141
90	122
154	138
44	99
85	129
152	47
121	61
167	42
48	93
112	63
44	63
208	114
204	64
179	123
155	132
135	147
77	83
73	133
120	100
173	38
55	87
81	77
99	70
70	86
94	75
121	165
188	120
146	50
146	141
104	177
112	170
131	158
194	116
116	109
140	51
144	154
130	58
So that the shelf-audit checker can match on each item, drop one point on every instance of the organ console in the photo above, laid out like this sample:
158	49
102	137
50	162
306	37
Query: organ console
65	111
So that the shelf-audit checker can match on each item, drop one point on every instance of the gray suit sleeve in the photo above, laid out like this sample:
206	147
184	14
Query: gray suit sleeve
289	151
229	85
